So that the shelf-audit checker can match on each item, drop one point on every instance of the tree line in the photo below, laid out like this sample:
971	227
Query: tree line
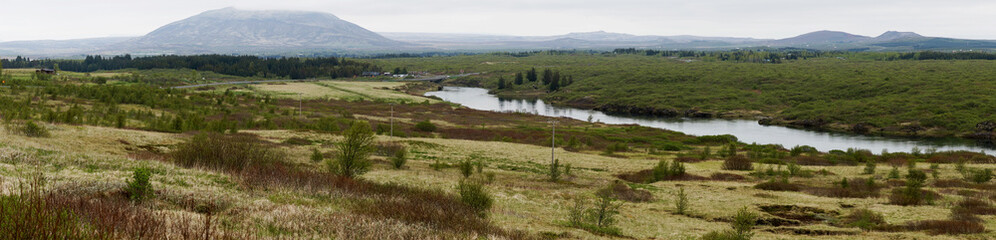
553	80
244	66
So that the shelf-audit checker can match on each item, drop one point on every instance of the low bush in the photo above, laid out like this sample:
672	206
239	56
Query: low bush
864	219
466	168
225	152
621	191
425	126
951	227
743	224
353	151
666	170
778	185
400	158
32	129
317	156
978	175
139	188
475	196
738	162
856	188
599	218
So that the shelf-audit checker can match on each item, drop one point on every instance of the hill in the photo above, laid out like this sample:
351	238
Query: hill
235	30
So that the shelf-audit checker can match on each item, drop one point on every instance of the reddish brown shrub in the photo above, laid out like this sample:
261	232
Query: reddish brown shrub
738	162
727	177
775	185
621	191
951	227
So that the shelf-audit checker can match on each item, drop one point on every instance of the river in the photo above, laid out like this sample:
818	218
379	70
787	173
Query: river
747	131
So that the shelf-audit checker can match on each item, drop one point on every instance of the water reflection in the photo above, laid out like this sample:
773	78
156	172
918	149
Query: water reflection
746	130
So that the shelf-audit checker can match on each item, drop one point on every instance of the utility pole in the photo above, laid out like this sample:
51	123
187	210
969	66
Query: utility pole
553	140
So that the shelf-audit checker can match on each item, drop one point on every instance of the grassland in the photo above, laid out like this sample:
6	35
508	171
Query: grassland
849	92
299	198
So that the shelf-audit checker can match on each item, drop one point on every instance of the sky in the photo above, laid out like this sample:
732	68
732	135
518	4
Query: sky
971	19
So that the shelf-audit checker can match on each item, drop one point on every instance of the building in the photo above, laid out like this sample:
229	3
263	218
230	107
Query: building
45	70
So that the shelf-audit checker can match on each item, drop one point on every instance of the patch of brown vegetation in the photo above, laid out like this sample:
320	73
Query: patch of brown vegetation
621	191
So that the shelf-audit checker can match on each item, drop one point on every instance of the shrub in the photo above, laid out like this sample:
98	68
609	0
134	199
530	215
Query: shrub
912	194
227	152
31	129
598	219
743	223
400	158
864	219
738	162
935	171
352	153
466	168
554	173
139	188
978	175
894	174
475	196
668	170
425	126
869	167
316	155
952	227
778	185
621	191
681	203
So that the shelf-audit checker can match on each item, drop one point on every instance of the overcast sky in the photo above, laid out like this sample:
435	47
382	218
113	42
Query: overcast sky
973	19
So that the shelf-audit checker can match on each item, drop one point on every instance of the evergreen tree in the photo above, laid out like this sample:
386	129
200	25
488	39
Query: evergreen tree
531	75
501	82
547	76
518	77
554	84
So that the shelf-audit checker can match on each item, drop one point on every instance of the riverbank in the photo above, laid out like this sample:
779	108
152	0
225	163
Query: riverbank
905	130
746	130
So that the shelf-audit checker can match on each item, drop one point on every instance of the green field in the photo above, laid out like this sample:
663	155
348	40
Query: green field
903	97
131	160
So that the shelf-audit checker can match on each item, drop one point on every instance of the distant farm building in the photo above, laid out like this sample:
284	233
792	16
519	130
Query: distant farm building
45	70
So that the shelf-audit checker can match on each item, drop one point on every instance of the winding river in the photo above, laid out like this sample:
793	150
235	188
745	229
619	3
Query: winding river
746	130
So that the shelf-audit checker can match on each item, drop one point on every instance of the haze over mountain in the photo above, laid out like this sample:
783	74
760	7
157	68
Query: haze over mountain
234	31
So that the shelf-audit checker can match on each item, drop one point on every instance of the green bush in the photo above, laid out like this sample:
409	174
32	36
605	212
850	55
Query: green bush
139	188
978	175
598	218
864	219
869	167
738	162
666	170
31	129
353	152
316	155
400	158
681	203
466	168
476	196
555	170
743	223
425	126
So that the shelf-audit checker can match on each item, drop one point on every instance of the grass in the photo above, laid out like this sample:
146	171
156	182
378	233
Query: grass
277	191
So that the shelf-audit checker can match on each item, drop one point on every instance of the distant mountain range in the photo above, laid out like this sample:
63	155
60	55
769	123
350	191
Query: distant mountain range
233	31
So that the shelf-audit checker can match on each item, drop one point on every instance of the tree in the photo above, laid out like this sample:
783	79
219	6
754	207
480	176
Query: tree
554	85
531	75
547	76
353	151
501	82
518	78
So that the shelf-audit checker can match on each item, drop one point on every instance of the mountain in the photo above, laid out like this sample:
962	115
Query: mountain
235	30
893	36
821	38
